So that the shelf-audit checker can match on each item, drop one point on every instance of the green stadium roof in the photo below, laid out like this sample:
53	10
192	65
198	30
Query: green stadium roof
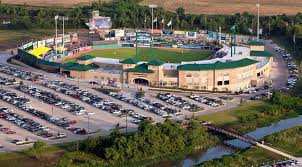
78	67
217	65
85	57
155	63
50	63
128	61
142	68
68	64
261	54
256	43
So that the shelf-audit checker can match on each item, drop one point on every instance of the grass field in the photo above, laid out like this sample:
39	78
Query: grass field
247	117
268	7
11	38
254	156
162	54
49	157
282	141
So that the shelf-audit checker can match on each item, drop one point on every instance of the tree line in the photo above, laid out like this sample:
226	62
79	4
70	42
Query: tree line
148	143
129	14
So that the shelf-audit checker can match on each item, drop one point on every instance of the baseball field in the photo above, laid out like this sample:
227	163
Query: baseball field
162	54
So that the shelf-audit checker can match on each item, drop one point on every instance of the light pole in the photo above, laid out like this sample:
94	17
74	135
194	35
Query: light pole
88	123
258	6
51	111
63	18
126	122
152	8
56	25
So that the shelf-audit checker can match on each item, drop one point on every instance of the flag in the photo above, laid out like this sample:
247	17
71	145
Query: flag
260	31
155	20
170	23
163	20
251	30
56	17
233	28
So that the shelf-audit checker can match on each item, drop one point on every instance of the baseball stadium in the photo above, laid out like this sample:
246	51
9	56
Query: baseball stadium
201	60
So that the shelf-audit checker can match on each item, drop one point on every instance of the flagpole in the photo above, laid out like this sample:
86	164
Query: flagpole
171	25
156	22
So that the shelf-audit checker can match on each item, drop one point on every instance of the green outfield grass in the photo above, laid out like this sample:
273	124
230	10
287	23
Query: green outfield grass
162	54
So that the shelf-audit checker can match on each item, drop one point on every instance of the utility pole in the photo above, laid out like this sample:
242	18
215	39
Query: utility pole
258	6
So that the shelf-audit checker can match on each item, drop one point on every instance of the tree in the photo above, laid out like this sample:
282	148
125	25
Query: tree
37	149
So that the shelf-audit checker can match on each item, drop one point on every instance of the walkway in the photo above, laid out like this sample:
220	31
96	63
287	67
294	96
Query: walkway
279	152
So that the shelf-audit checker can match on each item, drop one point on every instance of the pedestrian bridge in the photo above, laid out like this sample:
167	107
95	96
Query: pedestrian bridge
248	139
231	132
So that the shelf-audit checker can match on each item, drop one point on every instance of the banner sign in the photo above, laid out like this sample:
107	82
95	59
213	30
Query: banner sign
28	45
41	43
191	34
119	33
67	38
74	37
223	37
130	34
49	41
211	34
59	40
179	33
167	33
35	45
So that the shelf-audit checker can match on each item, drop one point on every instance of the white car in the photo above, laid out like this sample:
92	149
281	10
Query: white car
61	135
90	113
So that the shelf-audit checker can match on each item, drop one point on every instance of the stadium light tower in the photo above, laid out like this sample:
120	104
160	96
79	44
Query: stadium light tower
258	6
56	25
64	18
152	8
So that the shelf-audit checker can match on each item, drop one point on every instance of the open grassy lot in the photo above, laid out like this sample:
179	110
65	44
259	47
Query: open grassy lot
289	141
49	157
248	116
162	54
11	38
268	7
